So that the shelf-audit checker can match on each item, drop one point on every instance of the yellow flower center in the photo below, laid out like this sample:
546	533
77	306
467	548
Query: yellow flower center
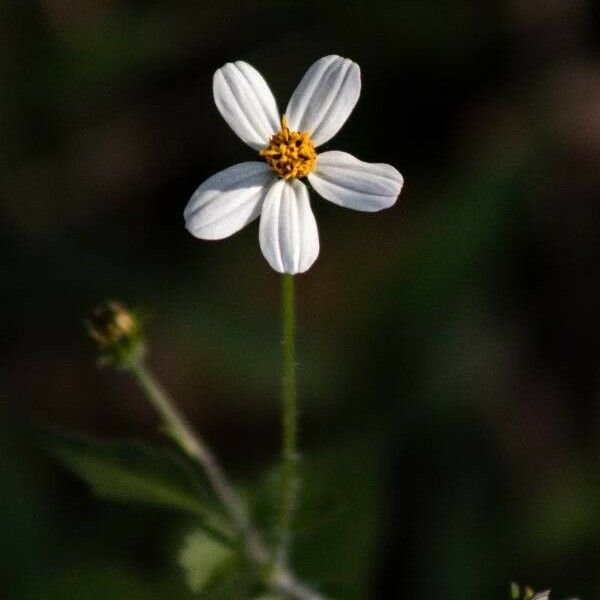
290	154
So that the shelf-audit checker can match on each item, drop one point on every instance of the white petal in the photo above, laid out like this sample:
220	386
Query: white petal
246	103
288	232
227	201
324	98
349	182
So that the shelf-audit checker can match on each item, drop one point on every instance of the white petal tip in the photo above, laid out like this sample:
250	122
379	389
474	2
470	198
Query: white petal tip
343	179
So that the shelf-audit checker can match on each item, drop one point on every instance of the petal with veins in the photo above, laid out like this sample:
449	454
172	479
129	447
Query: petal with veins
288	232
227	201
343	179
324	98
246	103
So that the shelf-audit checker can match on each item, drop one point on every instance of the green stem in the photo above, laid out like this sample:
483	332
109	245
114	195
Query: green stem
289	419
191	443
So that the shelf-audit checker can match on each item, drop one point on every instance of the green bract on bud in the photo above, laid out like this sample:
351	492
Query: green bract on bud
515	591
518	592
117	332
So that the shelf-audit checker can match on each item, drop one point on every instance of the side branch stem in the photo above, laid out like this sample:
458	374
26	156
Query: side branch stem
182	432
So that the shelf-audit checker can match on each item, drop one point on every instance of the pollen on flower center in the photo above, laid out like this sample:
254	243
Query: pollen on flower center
290	154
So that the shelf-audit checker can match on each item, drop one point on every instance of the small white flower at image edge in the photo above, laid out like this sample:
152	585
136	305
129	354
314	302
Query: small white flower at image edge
287	146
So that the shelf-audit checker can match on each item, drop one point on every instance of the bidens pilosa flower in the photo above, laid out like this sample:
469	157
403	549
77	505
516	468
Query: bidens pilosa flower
287	145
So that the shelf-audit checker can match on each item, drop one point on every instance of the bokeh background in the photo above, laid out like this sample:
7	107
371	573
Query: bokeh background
448	347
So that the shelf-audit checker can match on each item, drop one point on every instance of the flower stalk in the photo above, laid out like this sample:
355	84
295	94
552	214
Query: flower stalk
289	418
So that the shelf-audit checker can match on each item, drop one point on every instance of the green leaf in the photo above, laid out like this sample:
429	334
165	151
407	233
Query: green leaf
206	561
130	472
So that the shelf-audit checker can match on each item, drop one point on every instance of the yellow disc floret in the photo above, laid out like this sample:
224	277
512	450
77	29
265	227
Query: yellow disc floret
290	154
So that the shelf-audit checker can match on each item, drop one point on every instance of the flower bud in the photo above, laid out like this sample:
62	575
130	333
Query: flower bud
117	332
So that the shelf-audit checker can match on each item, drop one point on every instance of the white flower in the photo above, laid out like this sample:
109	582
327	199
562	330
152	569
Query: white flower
272	188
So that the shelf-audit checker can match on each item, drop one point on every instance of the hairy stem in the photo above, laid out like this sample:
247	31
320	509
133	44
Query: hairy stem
289	419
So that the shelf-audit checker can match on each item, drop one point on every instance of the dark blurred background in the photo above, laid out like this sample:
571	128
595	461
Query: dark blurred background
448	347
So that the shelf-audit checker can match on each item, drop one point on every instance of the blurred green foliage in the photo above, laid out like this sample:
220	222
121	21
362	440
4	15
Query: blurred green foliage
449	348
